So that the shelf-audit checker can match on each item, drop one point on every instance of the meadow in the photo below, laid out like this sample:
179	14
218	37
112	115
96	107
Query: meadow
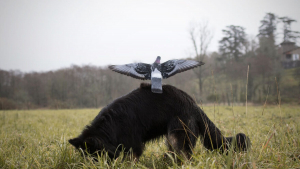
39	139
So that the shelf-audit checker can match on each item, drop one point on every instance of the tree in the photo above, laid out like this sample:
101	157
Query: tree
267	35
35	84
267	32
267	64
233	43
297	77
251	46
268	26
201	36
288	34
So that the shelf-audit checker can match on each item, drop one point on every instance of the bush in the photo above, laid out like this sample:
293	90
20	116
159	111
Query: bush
7	104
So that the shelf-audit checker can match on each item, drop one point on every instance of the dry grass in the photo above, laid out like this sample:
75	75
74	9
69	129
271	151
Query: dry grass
38	139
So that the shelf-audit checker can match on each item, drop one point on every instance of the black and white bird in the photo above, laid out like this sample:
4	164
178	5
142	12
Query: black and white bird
155	71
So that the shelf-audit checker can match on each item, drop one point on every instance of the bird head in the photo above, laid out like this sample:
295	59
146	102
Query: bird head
157	60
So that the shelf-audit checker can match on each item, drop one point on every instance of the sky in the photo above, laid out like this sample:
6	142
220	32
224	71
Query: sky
44	35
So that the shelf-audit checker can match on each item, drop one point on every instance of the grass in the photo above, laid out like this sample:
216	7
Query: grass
39	139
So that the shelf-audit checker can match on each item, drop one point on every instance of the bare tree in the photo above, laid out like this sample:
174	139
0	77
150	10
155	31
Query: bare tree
201	35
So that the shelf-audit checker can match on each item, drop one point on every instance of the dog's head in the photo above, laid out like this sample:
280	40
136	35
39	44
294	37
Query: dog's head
240	142
89	145
243	142
92	144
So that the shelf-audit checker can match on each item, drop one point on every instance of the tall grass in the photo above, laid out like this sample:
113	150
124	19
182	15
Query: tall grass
39	139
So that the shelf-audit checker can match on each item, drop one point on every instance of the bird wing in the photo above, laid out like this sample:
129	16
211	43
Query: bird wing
172	67
136	70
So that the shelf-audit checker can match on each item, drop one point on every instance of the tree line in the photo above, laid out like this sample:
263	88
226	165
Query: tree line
224	79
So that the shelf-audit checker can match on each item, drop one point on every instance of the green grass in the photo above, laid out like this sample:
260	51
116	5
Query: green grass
39	139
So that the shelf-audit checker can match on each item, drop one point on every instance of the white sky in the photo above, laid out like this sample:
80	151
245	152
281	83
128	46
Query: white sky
42	35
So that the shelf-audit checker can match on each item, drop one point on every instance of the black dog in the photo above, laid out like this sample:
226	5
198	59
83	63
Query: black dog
141	116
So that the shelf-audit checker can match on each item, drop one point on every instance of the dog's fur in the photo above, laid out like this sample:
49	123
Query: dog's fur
141	116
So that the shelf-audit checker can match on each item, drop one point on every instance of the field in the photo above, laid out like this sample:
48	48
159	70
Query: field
39	139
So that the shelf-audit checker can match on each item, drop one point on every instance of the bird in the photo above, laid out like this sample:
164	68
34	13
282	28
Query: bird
156	71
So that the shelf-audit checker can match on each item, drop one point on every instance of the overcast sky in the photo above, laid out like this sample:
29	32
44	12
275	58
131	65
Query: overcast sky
42	35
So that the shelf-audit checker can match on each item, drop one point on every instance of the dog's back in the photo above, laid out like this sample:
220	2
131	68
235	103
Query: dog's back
141	116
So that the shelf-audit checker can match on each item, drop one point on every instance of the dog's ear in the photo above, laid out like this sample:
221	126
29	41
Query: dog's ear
76	142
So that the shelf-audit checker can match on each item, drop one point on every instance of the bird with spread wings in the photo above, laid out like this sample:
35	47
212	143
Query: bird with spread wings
156	71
